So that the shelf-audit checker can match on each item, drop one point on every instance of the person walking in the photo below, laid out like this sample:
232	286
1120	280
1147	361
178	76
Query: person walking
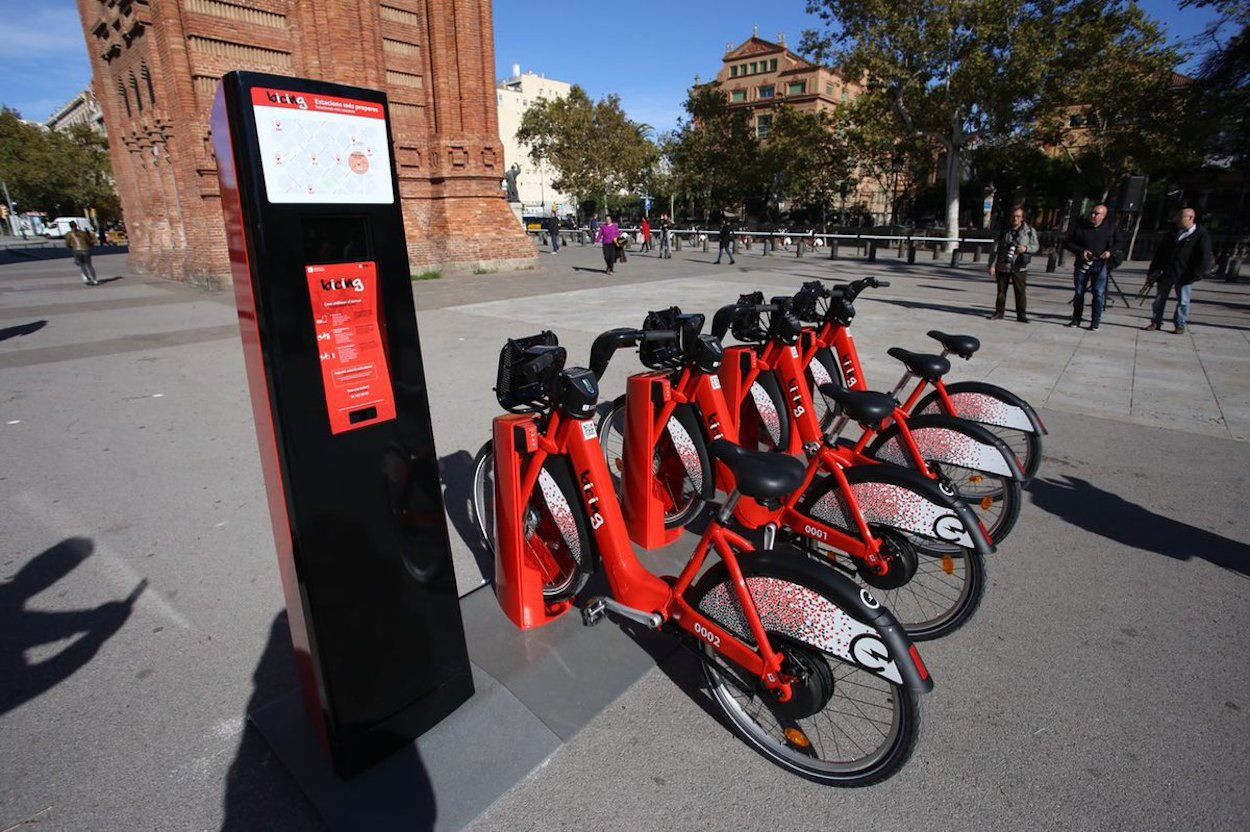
644	229
665	225
1181	259
553	227
1009	263
79	244
1094	243
726	245
607	234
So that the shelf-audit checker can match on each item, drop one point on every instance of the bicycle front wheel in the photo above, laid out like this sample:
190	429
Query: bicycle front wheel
554	531
844	726
680	466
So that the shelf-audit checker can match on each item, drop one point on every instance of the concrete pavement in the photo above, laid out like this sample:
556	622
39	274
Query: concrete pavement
129	456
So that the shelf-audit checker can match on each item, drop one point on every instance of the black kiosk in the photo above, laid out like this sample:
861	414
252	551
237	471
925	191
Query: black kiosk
329	331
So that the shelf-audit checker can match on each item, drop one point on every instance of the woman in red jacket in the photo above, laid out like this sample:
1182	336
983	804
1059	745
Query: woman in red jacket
646	235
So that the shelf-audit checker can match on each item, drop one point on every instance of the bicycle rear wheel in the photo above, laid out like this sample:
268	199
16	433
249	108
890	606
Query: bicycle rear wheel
555	533
844	726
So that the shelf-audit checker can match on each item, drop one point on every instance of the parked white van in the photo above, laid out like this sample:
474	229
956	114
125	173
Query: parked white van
59	227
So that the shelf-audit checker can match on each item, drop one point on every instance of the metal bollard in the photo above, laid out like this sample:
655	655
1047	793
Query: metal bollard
1051	262
798	250
1061	252
833	249
748	243
955	257
705	243
733	246
768	245
935	251
911	253
677	242
872	251
976	253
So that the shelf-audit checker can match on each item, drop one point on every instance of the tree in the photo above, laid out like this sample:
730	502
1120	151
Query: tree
964	72
1123	110
809	158
1222	90
55	172
714	153
593	147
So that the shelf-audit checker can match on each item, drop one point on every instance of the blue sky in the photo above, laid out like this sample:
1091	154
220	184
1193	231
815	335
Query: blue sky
649	55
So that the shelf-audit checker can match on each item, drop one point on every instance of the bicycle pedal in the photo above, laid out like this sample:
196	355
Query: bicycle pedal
593	612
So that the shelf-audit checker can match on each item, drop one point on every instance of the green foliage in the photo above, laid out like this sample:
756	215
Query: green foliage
965	73
714	153
432	274
592	146
809	157
1222	90
60	173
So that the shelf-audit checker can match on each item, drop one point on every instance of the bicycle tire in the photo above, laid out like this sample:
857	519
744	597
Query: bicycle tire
547	527
678	512
818	668
1026	444
824	372
993	498
942	593
763	417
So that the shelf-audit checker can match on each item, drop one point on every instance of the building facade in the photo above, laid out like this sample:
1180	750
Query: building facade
760	75
513	96
81	109
155	71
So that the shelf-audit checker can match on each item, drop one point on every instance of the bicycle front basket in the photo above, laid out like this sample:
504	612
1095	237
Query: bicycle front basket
528	369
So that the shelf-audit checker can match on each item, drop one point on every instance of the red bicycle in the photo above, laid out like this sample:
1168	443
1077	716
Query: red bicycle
964	457
809	669
828	354
660	439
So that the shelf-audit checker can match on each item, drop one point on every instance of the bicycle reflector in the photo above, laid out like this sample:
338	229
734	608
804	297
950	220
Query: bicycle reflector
528	369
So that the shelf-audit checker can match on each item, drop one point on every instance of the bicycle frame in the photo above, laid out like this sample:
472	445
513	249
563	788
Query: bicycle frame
651	400
522	445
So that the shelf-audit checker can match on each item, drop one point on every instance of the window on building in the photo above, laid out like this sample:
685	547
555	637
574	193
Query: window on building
738	95
762	124
1075	120
766	91
733	71
829	90
796	88
772	65
754	67
845	95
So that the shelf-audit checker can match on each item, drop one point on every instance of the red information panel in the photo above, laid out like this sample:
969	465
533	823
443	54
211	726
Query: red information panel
353	362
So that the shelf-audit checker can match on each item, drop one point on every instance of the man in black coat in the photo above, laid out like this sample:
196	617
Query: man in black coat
725	238
1182	258
1094	243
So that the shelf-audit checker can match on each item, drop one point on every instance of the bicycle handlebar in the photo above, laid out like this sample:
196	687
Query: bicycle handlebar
725	316
607	343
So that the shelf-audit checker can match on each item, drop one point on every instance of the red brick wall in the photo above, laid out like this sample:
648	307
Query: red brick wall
434	59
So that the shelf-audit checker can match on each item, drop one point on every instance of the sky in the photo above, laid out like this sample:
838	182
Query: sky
649	54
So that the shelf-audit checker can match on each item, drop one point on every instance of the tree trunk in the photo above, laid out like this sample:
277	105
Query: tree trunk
953	169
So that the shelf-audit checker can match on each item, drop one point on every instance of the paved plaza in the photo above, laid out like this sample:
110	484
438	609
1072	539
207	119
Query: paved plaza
1101	685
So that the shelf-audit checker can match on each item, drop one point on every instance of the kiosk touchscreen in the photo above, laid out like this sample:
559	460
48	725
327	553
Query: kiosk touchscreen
338	390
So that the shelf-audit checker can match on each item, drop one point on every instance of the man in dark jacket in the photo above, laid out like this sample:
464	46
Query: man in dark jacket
1094	243
726	238
1181	260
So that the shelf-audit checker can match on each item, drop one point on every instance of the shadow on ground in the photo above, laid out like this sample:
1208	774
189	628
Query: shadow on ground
23	629
1098	511
21	329
457	473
